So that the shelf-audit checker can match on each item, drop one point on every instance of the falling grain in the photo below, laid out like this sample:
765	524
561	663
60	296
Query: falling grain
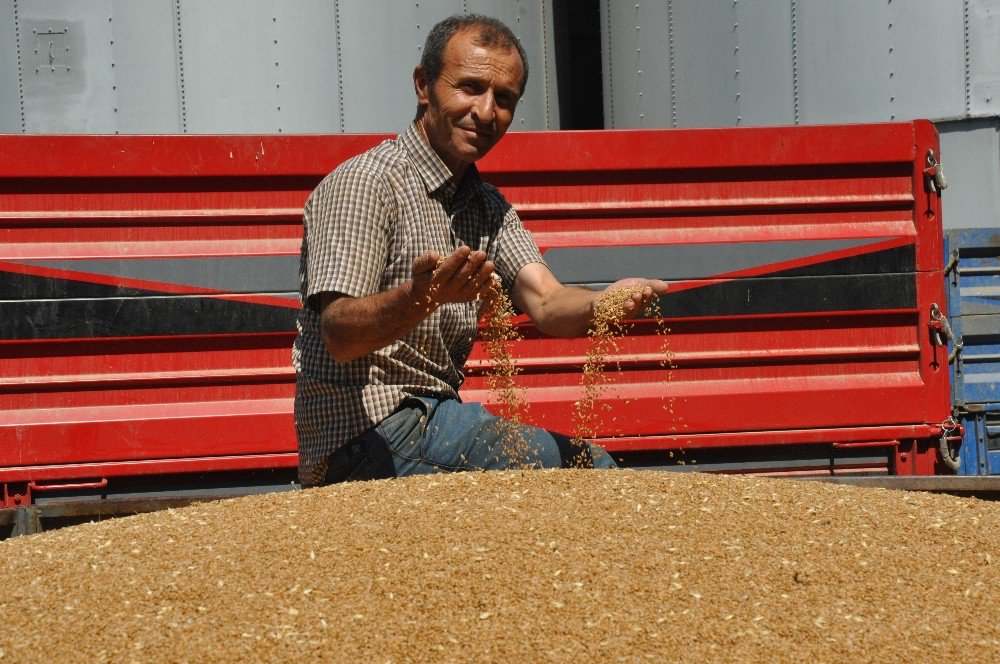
499	336
608	328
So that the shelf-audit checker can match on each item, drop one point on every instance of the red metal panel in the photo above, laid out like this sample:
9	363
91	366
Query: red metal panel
75	406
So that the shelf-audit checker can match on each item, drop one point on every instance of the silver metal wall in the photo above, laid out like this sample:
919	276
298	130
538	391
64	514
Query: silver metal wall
238	66
970	152
721	63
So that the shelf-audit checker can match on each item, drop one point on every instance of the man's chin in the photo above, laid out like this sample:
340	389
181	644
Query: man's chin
477	149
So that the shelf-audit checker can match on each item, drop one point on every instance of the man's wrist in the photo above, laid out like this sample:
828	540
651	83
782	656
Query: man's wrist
419	300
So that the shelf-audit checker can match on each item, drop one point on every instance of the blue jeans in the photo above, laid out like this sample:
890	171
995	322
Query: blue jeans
428	435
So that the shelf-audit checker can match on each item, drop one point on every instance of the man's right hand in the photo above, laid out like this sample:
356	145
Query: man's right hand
355	326
463	276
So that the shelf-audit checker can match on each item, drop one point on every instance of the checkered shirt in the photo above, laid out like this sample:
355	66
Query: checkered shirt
364	225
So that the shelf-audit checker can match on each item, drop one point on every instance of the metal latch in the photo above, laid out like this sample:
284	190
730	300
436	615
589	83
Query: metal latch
940	329
934	175
953	259
949	453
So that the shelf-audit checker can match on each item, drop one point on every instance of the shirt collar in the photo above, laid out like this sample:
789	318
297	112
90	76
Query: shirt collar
434	173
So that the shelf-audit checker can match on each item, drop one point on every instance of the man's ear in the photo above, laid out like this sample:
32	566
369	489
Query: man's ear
421	85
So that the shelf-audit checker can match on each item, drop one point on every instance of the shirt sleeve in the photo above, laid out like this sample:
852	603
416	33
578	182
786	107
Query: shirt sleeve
515	247
348	226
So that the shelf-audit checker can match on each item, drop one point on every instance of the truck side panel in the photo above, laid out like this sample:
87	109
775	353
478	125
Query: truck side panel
148	287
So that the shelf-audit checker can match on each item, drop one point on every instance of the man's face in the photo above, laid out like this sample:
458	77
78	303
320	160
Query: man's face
471	105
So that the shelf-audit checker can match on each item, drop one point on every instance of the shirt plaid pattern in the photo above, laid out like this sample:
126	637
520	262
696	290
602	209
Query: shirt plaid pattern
363	227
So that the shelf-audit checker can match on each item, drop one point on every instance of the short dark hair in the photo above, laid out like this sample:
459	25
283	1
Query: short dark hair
489	32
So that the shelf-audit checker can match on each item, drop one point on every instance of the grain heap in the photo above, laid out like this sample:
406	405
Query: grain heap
518	565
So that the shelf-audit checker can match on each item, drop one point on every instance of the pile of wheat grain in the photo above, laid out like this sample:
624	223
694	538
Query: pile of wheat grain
563	565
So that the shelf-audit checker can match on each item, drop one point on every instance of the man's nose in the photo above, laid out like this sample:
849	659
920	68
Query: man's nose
485	108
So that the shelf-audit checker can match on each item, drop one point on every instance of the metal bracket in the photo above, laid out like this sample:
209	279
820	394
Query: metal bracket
15	495
27	521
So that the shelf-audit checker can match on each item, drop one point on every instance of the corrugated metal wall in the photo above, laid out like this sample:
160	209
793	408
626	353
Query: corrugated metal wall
238	66
722	63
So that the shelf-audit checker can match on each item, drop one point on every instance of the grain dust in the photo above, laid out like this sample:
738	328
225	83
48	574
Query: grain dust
559	565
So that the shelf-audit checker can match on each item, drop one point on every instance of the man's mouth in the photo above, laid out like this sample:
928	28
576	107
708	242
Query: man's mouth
480	133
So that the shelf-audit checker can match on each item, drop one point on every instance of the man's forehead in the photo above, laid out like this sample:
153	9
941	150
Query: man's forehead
467	43
463	51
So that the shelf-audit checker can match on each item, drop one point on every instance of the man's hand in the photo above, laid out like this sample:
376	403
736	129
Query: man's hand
463	276
640	298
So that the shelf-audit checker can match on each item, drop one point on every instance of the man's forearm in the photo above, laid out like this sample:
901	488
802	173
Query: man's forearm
353	327
567	312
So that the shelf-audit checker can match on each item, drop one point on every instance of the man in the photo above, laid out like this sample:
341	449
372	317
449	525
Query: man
400	245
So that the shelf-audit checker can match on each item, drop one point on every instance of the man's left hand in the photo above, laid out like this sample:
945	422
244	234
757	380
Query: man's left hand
639	300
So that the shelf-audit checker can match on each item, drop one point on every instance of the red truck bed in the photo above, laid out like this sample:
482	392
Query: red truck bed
148	290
